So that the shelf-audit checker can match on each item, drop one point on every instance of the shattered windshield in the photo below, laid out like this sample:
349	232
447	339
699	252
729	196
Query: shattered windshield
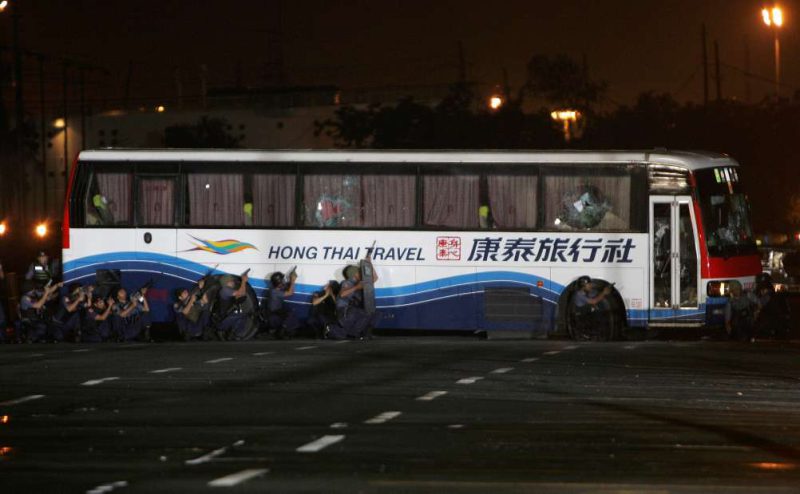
726	213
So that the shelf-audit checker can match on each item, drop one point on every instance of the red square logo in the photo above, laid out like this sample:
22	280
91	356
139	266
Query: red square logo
448	248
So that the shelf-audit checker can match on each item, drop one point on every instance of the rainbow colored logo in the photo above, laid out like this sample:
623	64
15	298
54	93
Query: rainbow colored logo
221	247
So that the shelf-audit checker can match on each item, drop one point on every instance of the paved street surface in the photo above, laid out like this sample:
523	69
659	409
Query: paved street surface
401	415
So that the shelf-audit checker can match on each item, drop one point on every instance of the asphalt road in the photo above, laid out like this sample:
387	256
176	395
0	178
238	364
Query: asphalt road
401	415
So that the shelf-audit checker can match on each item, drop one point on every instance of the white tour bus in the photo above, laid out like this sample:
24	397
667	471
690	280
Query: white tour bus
467	240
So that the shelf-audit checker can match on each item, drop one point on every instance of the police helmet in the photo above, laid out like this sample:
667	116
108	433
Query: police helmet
335	287
349	271
276	279
583	281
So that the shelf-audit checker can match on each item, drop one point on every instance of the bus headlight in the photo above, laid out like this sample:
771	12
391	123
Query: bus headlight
41	230
719	288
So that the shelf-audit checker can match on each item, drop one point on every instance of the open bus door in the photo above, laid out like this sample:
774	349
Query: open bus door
674	266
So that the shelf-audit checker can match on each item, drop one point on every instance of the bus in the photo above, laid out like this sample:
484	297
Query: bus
488	241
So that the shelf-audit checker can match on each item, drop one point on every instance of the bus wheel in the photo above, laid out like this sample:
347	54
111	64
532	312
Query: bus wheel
608	324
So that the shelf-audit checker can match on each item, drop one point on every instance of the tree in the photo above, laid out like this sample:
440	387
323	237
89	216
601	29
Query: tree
562	82
206	133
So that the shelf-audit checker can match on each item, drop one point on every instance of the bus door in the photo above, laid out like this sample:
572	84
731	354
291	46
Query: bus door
674	266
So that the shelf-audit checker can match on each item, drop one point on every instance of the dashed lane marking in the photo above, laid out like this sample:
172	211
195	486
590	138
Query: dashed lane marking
36	355
455	426
341	341
571	347
552	352
82	350
305	347
103	488
339	425
383	417
164	371
629	347
21	400
469	380
218	360
530	359
259	354
238	477
95	382
319	444
502	370
206	457
431	396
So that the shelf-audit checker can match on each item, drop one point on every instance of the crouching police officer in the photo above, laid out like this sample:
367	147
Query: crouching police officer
71	312
233	320
37	324
131	320
97	324
591	309
739	314
322	319
192	312
277	314
354	320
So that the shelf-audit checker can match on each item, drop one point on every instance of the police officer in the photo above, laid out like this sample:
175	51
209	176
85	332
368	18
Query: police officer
279	316
590	307
97	325
36	321
41	270
71	311
739	314
233	321
131	317
322	319
192	311
772	310
350	312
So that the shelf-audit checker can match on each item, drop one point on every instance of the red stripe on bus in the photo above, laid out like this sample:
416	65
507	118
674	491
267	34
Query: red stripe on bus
734	267
65	220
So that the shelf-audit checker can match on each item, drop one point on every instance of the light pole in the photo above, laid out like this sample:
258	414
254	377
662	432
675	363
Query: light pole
773	18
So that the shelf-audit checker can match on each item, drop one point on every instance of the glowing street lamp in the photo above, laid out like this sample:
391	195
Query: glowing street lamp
3	5
496	101
568	118
41	230
3	228
773	18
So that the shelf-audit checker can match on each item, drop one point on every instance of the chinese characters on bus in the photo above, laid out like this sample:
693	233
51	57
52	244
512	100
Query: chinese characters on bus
546	249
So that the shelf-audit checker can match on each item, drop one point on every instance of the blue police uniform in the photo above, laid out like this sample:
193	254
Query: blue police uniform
132	327
234	322
322	319
352	317
280	317
35	326
193	325
94	330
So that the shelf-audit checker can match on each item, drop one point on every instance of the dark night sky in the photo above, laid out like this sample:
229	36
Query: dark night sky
633	45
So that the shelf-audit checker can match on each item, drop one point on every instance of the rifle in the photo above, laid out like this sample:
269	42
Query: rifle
246	272
138	293
371	250
199	291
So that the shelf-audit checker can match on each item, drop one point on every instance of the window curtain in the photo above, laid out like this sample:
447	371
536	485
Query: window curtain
512	200
157	201
389	201
451	201
116	188
273	200
216	199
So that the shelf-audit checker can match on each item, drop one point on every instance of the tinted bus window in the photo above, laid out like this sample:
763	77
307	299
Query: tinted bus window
157	201
109	200
513	201
216	199
273	200
451	201
587	200
359	201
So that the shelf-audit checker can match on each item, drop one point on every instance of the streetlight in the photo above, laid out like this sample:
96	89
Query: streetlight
773	18
496	101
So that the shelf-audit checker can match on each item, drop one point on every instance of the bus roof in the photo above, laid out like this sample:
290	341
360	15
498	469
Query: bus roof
690	160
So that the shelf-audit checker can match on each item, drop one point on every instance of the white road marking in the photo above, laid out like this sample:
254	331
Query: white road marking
218	360
529	360
37	355
341	341
552	352
305	348
502	370
168	369
469	380
95	382
21	400
571	347
338	425
319	444
82	350
238	477
383	417
455	426
101	489
431	396
206	457
629	347
259	354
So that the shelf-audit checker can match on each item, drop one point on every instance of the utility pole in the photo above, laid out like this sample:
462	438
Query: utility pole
717	72
705	65
19	110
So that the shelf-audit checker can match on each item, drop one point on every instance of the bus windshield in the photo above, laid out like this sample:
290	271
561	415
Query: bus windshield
726	213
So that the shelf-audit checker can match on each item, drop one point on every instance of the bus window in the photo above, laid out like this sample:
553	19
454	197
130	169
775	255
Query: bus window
216	199
512	201
588	201
108	202
273	200
359	201
157	201
451	201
